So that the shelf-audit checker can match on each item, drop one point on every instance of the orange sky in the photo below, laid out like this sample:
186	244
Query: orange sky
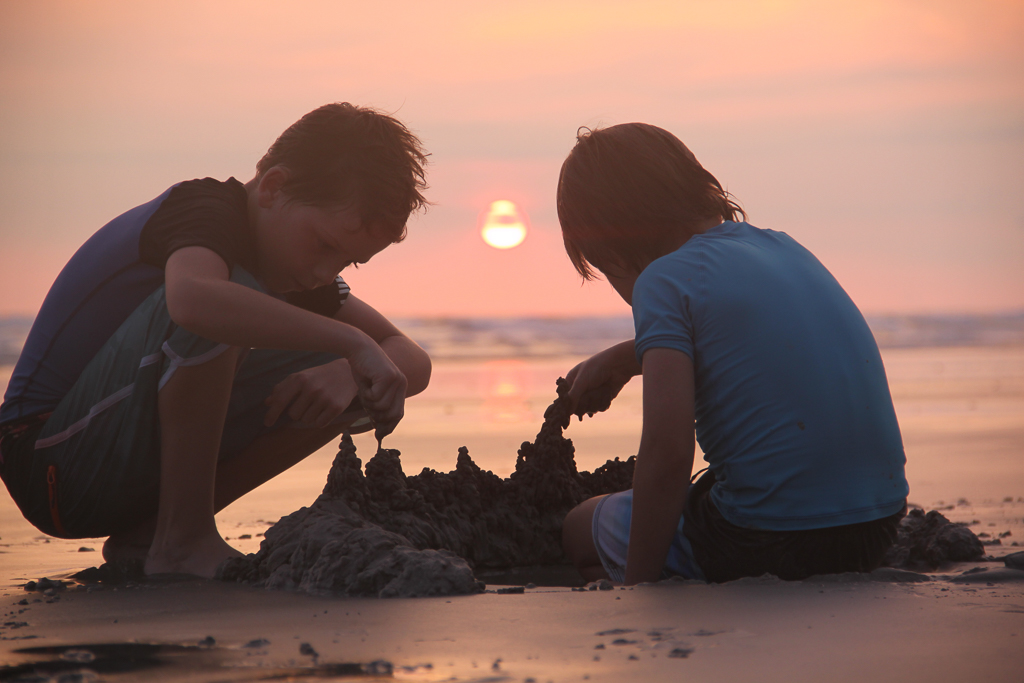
888	137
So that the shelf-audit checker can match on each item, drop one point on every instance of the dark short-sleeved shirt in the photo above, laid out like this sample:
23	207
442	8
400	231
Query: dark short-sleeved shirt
792	405
117	269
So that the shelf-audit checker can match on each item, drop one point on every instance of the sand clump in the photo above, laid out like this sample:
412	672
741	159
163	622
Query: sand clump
385	534
929	541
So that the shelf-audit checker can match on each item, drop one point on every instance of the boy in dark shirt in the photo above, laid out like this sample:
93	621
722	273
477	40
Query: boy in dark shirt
202	343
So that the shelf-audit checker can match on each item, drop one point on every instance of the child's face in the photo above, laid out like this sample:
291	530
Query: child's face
622	284
302	247
619	275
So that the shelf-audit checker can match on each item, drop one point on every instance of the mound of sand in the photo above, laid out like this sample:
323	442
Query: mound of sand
388	534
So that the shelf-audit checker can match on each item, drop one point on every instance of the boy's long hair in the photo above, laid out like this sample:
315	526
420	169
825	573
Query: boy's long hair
341	155
632	193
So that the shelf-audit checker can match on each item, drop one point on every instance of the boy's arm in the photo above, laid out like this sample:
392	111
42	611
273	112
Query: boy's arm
610	368
662	475
320	394
202	299
412	360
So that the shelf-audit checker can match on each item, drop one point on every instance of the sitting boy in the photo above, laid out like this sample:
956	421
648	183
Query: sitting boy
744	338
183	341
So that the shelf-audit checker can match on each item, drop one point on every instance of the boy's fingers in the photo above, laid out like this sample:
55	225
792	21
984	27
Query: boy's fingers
596	400
570	376
371	397
395	394
387	425
575	391
382	429
310	413
281	398
387	412
298	406
277	403
383	388
383	395
323	419
272	413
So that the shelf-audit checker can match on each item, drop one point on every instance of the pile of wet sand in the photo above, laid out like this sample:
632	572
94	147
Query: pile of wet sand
384	534
929	541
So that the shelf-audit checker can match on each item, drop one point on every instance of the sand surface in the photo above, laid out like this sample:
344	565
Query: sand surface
962	415
763	630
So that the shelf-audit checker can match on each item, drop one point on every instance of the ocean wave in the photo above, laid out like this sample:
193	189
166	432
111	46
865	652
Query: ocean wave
481	338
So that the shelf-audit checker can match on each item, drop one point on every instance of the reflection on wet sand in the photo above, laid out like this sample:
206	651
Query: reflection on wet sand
90	661
506	386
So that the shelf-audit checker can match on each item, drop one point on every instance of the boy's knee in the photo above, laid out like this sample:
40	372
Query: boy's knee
577	533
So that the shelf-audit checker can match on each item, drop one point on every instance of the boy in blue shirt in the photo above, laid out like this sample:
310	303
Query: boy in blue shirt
203	342
747	344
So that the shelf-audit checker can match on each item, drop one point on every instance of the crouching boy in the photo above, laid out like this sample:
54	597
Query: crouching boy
203	342
746	343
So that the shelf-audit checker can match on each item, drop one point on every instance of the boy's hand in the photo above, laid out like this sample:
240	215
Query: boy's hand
316	396
381	387
607	372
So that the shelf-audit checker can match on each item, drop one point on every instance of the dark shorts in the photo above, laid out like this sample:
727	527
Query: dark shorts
92	467
726	552
708	547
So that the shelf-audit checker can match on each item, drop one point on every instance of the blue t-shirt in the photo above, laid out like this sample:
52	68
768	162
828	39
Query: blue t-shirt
792	406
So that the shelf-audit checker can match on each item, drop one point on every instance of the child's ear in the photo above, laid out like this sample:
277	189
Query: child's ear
270	184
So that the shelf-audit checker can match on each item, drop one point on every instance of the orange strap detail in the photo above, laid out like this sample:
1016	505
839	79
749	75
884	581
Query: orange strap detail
51	484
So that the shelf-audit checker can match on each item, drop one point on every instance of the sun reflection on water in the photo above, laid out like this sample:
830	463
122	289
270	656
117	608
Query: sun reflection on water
505	387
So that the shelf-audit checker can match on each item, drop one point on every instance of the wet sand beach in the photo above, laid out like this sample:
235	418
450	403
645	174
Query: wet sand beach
962	415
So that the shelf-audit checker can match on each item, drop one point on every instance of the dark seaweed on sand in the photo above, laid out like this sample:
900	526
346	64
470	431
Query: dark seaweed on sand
385	533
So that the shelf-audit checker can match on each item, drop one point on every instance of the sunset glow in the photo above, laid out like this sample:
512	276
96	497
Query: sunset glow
873	133
504	225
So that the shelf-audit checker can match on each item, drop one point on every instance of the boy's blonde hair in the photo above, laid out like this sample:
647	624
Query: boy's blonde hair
631	193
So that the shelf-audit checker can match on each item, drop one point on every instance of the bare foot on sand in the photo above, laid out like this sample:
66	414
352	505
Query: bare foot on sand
115	550
130	545
199	557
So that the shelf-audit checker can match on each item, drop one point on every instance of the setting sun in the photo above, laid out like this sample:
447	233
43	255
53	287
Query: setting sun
504	225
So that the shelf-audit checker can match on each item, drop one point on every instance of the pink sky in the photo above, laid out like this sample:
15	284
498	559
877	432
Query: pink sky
888	137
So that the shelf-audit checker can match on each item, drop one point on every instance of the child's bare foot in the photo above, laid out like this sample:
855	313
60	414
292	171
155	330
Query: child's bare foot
130	545
199	557
116	549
